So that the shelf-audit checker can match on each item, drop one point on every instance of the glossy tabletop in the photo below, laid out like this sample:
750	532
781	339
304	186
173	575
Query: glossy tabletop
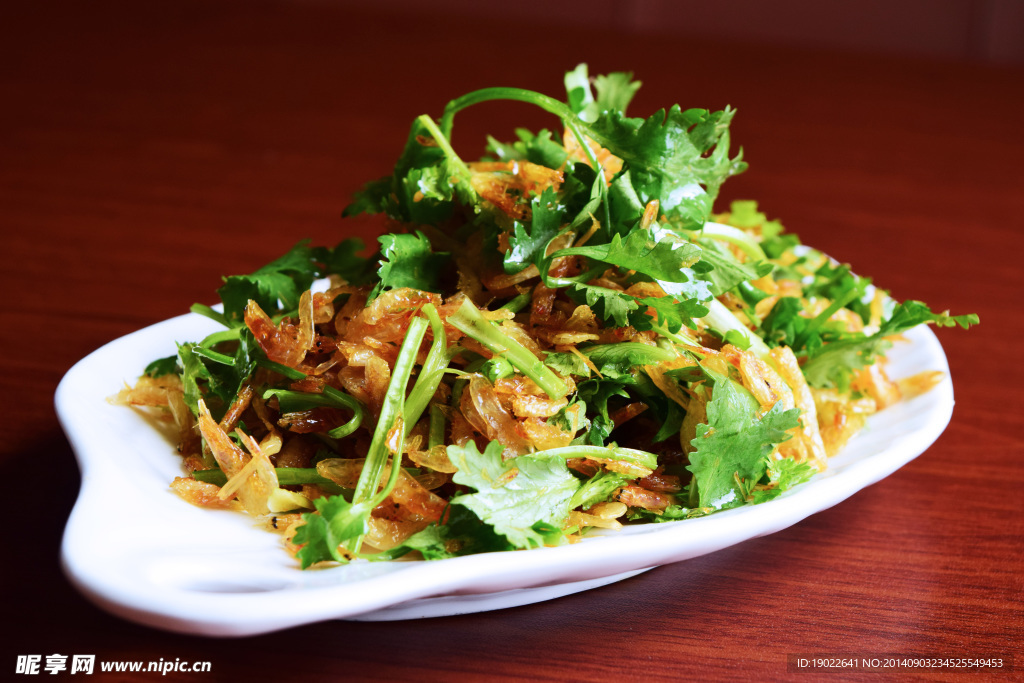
147	151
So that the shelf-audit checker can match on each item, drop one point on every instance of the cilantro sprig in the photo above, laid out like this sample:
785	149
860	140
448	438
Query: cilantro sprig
731	450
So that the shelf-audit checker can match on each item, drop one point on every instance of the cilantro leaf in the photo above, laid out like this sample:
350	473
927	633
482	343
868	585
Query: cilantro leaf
344	260
427	178
832	364
744	214
661	259
596	393
193	372
783	475
566	364
275	287
836	281
671	417
619	360
625	208
599	430
672	513
571	418
912	313
528	247
336	522
161	367
670	313
784	324
537	148
224	375
431	543
775	247
723	271
463	533
409	261
373	198
614	92
516	495
577	89
583	192
599	488
418	193
731	449
608	304
680	157
621	310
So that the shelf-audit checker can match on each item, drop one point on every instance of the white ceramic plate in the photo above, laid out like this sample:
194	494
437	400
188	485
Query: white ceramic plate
137	550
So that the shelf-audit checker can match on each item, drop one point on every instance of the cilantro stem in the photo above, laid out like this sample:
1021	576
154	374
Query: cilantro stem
677	338
286	476
548	104
558	282
435	437
216	357
742	239
579	128
520	302
458	386
223	336
722	320
751	294
571	125
855	292
338	399
630	456
431	371
294	401
462	381
391	411
468	320
206	311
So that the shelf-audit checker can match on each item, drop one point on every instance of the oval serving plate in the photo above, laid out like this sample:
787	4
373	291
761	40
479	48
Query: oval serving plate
137	550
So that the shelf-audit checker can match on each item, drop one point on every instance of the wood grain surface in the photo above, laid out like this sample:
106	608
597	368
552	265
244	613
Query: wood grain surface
148	149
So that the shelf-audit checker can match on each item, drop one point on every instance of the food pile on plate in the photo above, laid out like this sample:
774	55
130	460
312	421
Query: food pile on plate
560	337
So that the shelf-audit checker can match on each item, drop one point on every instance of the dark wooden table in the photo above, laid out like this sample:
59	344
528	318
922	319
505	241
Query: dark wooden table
147	150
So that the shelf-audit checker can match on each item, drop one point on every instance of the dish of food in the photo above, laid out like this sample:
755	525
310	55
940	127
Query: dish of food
560	350
181	568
